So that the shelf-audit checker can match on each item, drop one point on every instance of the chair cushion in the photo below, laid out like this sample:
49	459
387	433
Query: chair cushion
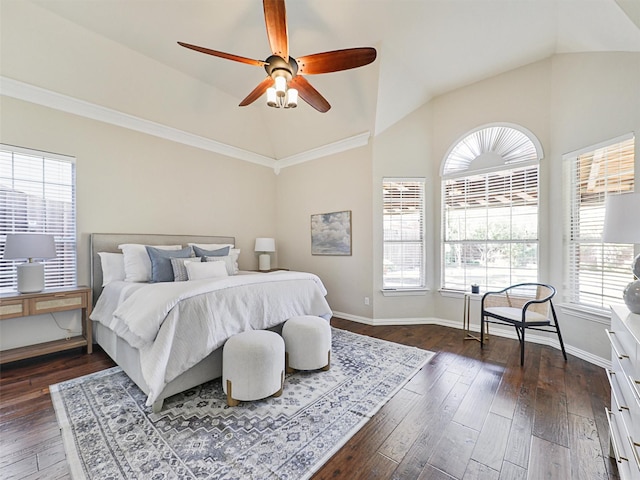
515	314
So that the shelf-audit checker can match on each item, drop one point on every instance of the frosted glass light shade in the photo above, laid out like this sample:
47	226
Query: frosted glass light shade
292	98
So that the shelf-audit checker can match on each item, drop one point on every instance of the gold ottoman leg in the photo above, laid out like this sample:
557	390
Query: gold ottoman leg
230	400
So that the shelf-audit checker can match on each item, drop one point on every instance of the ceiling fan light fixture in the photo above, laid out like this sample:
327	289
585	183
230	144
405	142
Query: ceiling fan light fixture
281	86
292	98
272	98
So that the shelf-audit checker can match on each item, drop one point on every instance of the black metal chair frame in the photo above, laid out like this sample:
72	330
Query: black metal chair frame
522	325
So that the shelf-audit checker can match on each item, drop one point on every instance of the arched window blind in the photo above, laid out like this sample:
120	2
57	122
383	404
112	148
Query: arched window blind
490	209
38	195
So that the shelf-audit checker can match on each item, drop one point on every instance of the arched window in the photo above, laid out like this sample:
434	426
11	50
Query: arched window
490	208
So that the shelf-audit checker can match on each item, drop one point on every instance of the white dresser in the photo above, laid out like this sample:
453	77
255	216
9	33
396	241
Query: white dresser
624	377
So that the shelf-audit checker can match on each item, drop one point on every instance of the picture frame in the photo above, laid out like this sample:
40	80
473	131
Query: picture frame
331	233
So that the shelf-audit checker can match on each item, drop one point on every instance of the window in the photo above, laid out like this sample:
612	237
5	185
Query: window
597	271
37	195
403	234
490	210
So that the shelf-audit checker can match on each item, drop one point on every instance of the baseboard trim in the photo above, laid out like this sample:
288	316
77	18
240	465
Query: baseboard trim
494	331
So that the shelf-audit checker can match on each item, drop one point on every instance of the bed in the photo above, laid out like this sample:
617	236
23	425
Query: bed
168	336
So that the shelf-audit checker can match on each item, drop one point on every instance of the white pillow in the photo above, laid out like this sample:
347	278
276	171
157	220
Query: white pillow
229	263
211	246
137	265
235	253
202	270
179	270
112	267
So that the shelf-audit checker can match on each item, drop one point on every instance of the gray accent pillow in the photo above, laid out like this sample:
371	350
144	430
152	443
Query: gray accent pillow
201	252
161	269
180	270
229	263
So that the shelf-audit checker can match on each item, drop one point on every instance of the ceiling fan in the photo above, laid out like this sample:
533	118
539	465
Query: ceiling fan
284	81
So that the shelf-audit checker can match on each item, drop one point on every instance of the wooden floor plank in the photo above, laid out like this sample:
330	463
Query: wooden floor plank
551	420
585	448
434	425
476	405
548	460
478	471
453	452
492	442
509	471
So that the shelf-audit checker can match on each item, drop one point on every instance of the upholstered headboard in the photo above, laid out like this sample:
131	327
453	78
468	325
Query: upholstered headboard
108	242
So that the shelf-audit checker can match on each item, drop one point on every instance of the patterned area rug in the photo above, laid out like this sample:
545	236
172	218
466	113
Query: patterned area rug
110	434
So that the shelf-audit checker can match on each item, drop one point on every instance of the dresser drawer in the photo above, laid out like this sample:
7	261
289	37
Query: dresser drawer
623	344
57	302
13	308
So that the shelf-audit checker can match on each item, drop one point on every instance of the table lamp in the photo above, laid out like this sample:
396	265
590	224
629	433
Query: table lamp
264	246
622	225
29	246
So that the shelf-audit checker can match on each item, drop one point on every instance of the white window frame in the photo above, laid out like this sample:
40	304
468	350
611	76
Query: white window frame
403	242
38	195
497	150
591	286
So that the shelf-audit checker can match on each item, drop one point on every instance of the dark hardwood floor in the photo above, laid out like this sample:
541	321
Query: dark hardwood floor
468	414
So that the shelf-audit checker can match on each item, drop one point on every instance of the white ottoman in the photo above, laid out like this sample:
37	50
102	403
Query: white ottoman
252	366
307	341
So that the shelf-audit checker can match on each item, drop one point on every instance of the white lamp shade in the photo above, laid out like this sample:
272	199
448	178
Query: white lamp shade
265	245
29	245
622	218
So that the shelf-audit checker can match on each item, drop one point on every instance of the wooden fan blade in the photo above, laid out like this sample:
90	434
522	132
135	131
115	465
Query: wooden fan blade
309	94
228	56
336	60
275	18
257	92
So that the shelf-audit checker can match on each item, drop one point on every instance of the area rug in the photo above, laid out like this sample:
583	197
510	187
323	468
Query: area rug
109	433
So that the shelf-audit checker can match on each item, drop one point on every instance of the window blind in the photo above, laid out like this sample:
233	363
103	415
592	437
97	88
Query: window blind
37	195
403	233
490	228
597	271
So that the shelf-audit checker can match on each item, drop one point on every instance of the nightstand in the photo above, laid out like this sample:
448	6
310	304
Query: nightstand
17	305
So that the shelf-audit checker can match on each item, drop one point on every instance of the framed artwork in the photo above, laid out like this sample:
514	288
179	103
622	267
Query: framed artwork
331	233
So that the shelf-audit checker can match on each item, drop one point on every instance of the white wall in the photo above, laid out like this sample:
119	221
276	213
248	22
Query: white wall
595	97
336	183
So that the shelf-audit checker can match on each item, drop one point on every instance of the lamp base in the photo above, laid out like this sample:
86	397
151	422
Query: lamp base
631	296
264	262
30	277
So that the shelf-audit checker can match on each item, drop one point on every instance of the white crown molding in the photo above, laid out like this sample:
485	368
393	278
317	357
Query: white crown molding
30	93
41	96
345	144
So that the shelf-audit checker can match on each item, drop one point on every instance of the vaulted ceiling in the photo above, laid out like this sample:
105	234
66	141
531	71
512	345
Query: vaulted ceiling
425	48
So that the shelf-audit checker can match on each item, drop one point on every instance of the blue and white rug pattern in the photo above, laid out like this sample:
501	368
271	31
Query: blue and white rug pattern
109	433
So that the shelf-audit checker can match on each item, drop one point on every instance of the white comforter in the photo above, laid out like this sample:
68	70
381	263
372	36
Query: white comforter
176	324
